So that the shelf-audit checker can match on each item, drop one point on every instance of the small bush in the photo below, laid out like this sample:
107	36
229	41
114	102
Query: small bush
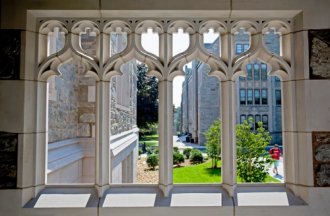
149	151
177	158
196	156
186	152
176	149
152	161
140	151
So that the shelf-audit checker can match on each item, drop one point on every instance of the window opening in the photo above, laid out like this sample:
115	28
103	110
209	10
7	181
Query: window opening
249	96
180	42
199	138
118	42
242	96
71	126
212	42
257	96
264	97
150	41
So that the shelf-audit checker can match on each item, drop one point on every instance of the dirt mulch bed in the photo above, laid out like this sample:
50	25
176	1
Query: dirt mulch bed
146	175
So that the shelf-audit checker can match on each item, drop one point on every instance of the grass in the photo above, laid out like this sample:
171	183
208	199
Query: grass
150	140
150	143
202	173
153	137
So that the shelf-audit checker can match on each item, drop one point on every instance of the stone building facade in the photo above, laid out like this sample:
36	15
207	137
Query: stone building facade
258	95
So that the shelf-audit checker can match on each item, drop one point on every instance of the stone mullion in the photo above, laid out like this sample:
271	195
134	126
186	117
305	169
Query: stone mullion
102	137
165	119
228	138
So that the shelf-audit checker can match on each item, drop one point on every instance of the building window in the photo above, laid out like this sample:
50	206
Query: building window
256	72
263	72
251	120
240	48
278	97
265	121
249	71
264	96
257	119
241	78
256	96
249	96
277	79
242	118
242	96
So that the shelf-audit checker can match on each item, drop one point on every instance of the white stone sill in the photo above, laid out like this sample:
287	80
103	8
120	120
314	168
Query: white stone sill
149	196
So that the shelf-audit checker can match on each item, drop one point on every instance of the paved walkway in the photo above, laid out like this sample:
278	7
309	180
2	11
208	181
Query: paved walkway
181	144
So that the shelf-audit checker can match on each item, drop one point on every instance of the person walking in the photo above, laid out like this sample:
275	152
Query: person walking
276	153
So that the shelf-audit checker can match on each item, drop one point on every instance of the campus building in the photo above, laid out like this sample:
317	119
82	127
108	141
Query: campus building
28	98
259	95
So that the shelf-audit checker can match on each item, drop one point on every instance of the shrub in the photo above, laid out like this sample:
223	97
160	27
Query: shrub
152	161
177	158
186	152
140	151
176	149
196	156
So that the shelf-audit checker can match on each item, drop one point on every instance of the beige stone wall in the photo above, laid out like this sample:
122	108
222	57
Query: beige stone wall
71	109
63	106
123	100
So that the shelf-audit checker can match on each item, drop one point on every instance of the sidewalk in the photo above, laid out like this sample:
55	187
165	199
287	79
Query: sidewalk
280	170
181	144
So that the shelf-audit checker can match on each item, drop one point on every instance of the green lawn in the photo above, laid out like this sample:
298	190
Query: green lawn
153	137
202	173
150	143
150	140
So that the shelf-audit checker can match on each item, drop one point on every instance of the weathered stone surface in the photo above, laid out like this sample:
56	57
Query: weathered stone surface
323	175
319	48
84	130
8	160
123	118
10	49
321	158
87	118
62	113
322	153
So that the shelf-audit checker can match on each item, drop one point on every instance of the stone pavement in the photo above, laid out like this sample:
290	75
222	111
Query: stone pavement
181	144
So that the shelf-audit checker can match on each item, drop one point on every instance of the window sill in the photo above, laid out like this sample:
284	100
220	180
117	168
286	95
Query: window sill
149	196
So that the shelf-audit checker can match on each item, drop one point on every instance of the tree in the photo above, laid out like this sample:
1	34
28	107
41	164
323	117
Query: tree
253	160
213	142
147	98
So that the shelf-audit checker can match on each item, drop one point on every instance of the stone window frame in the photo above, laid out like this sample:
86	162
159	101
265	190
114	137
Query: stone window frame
280	65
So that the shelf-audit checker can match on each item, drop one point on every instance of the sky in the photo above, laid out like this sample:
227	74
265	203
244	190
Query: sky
150	43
